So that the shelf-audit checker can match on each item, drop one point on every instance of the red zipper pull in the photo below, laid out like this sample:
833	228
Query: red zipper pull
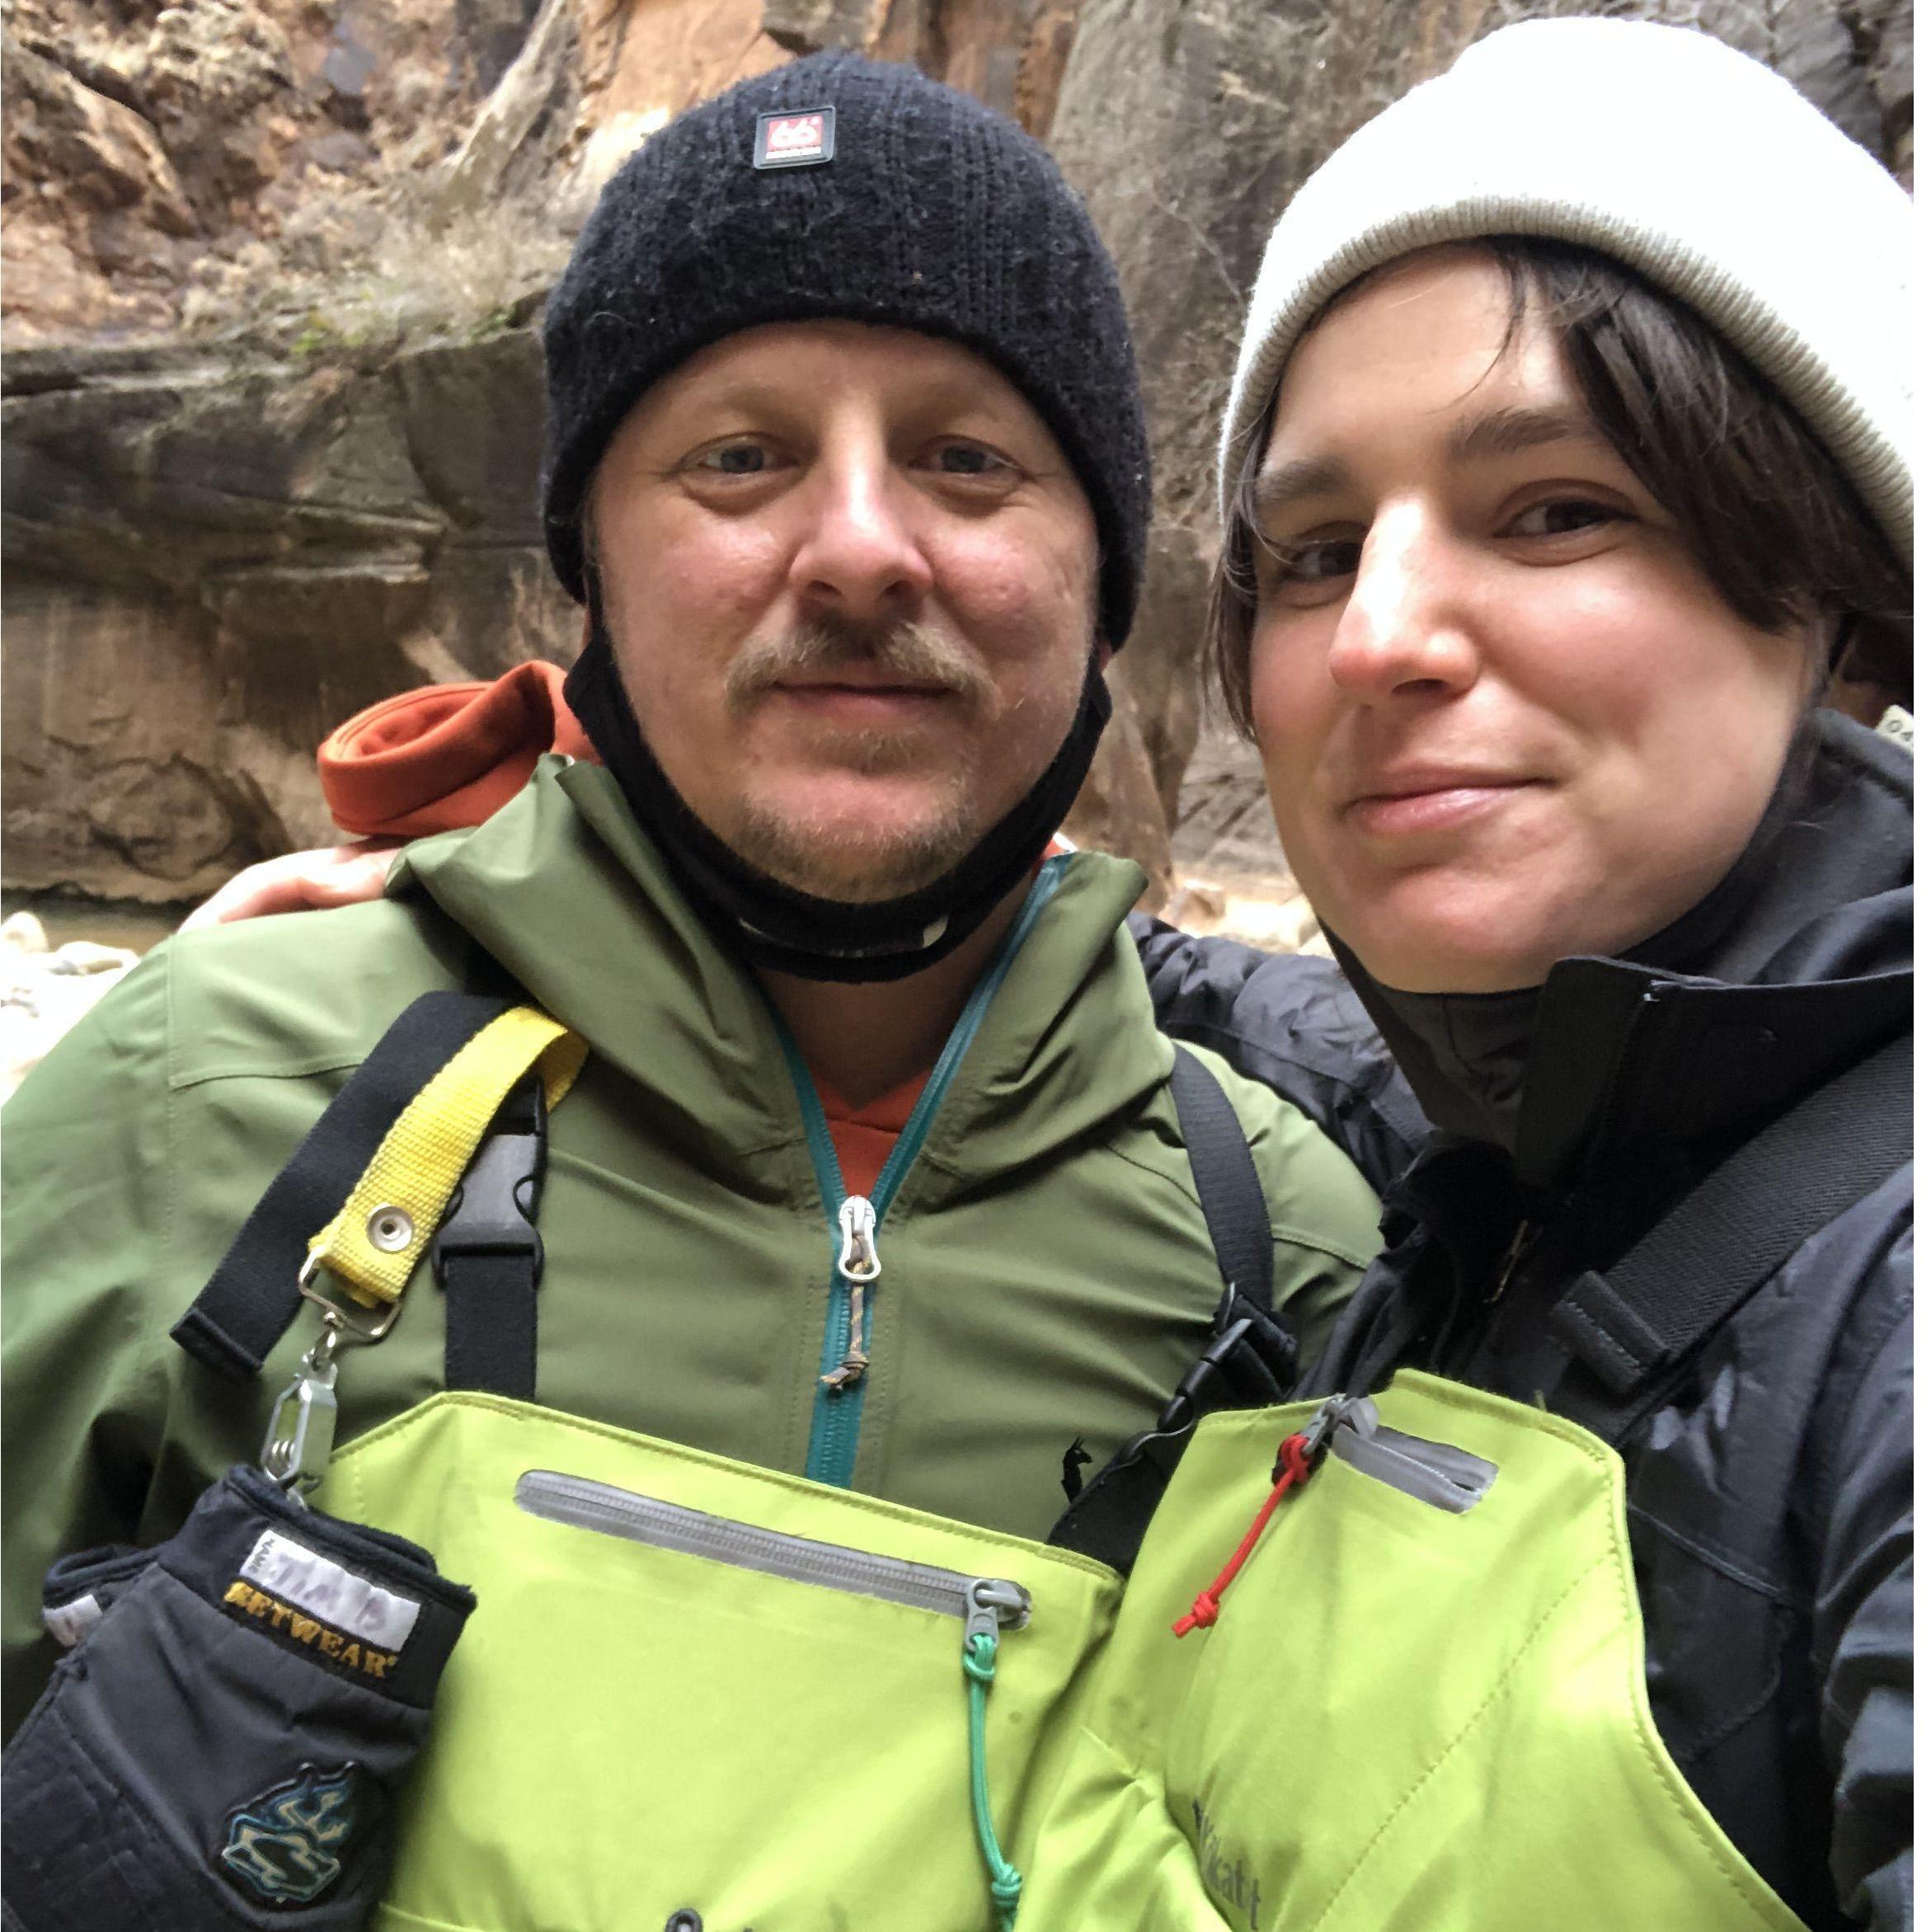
1292	1468
1296	1461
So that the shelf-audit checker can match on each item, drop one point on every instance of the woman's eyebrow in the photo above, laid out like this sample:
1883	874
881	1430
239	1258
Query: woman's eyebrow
1520	426
1281	485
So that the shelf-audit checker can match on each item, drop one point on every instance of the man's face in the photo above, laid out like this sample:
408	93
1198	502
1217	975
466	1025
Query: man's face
849	578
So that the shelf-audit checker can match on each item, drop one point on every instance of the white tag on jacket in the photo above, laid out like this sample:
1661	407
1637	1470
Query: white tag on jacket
71	1620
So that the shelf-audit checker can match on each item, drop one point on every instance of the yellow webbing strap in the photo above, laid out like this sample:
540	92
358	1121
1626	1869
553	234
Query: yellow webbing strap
374	1242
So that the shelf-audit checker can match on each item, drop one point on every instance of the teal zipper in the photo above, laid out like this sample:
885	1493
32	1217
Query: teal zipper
836	1412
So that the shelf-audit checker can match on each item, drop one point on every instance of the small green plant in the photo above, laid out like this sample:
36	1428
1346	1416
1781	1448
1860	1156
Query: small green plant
497	322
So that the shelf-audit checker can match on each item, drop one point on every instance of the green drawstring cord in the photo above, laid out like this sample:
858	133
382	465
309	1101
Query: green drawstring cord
982	1651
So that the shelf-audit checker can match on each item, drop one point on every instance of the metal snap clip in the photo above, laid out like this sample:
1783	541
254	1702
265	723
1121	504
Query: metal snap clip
684	1920
390	1230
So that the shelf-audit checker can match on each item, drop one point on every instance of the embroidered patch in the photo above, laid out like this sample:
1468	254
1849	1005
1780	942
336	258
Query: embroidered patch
285	1845
801	138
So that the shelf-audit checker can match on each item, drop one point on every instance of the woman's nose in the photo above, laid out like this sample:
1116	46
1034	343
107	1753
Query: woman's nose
1405	627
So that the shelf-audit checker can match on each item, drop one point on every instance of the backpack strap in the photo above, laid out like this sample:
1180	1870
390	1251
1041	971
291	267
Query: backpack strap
1251	1354
253	1296
1223	1177
1656	1307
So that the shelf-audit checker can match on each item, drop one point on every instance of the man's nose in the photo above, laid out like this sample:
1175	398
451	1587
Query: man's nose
861	555
1407	626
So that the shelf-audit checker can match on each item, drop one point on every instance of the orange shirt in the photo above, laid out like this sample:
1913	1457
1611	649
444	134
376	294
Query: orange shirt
864	1135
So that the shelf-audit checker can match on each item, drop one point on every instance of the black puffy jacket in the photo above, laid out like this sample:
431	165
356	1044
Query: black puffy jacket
1769	1492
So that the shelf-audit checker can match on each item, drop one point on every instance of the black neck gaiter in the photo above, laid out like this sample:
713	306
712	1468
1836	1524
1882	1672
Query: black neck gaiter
775	926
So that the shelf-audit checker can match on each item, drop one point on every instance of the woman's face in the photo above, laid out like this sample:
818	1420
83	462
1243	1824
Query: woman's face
1505	717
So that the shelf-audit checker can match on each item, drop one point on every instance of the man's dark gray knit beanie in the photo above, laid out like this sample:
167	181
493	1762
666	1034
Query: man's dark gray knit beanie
932	213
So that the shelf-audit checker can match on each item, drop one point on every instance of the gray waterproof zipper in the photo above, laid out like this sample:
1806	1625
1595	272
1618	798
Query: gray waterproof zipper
984	1602
1434	1473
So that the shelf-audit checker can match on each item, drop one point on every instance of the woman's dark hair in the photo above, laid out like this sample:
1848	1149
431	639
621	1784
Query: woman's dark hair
1761	505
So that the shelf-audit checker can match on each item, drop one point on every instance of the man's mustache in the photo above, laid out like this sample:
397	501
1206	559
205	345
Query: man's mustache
914	654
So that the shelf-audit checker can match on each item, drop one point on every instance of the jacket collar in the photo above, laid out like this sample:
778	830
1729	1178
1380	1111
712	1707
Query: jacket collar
566	892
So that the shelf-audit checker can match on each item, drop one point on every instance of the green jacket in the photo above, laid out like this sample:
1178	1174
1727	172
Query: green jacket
1047	1272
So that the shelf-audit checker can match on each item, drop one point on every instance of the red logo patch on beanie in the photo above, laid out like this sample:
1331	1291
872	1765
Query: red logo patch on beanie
799	138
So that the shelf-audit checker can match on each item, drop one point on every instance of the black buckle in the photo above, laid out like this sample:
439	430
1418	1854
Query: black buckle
494	1211
1182	1411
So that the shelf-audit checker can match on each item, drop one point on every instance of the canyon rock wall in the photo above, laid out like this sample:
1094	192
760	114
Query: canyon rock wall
272	401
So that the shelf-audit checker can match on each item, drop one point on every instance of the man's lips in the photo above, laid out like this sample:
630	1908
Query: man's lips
862	700
1428	799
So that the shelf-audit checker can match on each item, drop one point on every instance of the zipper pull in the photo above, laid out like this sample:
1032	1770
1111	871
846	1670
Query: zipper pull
857	1262
1293	1465
989	1602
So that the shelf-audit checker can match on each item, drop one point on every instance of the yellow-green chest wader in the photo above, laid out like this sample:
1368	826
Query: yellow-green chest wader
1420	1707
694	1686
693	1691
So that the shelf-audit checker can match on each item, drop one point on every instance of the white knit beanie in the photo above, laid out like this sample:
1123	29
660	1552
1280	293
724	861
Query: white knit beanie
1665	149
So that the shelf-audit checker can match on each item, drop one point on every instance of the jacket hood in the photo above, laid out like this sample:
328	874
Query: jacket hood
563	889
1797	964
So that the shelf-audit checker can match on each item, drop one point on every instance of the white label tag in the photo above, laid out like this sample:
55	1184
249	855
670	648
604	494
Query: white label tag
71	1621
322	1586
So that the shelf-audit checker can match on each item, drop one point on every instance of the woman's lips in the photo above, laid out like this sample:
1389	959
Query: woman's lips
1431	807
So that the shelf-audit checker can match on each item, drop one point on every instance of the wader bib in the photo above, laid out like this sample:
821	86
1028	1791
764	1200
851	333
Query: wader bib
692	1692
1420	1707
693	1686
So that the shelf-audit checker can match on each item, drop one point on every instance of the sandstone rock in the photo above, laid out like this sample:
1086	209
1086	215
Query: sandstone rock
1011	54
809	26
213	561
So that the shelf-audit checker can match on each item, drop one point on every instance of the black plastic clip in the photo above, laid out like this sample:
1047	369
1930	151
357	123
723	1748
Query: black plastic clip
1182	1411
493	1212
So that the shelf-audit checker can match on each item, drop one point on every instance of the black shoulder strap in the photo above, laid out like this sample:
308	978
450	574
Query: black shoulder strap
252	1297
1252	1353
1223	1177
1658	1304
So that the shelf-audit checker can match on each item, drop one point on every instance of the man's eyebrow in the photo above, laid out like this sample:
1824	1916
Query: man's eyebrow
1509	431
1281	485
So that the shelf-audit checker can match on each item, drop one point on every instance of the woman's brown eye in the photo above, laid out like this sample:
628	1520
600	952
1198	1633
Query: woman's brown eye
1561	517
1317	563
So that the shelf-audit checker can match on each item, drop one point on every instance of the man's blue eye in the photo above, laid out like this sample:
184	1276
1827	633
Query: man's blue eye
737	459
962	459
